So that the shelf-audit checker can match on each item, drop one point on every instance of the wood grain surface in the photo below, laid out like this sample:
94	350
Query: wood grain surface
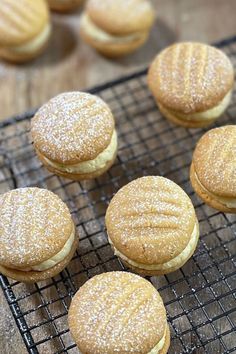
69	64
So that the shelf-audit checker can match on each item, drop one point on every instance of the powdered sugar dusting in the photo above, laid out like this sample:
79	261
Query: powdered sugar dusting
152	225
72	127
117	312
34	225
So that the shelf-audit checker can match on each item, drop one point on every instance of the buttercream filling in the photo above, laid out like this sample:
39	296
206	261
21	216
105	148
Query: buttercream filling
168	265
33	45
159	346
210	114
59	257
92	165
99	35
228	202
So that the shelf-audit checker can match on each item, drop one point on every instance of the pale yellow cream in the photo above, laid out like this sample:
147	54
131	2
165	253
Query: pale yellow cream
159	345
168	265
98	34
92	165
33	45
49	263
228	202
210	114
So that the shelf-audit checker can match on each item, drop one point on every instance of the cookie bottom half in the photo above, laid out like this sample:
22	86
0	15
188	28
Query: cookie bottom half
149	272
28	51
74	176
107	44
36	276
183	122
207	197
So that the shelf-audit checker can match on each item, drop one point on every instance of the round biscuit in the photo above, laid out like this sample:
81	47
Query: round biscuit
34	226
117	312
72	127
190	77
150	220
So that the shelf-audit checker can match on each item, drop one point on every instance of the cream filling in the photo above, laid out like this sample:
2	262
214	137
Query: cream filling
98	34
210	114
92	165
50	263
228	202
170	264
159	345
33	45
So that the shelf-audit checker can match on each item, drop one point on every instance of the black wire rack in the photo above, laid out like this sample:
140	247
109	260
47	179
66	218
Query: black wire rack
200	298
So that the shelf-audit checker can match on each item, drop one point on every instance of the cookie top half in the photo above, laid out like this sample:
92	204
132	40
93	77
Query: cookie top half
150	220
214	161
21	20
117	312
190	77
72	127
34	226
121	17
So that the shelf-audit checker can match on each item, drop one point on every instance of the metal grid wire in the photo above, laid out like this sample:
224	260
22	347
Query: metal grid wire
200	298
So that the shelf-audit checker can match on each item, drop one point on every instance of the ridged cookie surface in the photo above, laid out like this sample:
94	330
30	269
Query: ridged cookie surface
72	127
214	161
150	220
121	17
34	226
21	20
117	312
190	77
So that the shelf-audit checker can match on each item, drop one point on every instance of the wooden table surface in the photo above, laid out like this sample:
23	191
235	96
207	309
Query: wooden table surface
69	64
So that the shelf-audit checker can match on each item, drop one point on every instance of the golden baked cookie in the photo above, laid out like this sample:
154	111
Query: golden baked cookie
37	234
213	169
64	5
191	83
152	225
25	29
74	135
116	28
119	312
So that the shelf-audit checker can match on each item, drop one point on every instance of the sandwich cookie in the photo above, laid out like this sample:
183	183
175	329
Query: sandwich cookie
25	29
74	135
64	5
152	225
37	234
116	28
192	83
213	168
119	312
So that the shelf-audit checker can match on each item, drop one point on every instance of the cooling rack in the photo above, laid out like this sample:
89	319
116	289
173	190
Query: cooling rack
200	298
